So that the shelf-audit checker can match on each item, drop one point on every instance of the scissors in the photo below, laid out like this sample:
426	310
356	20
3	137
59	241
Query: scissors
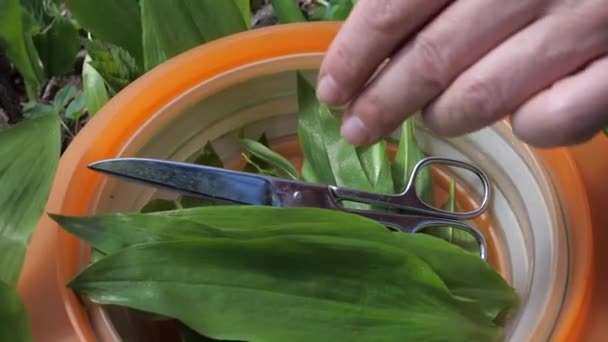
411	216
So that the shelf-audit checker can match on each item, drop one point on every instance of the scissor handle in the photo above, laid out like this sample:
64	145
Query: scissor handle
409	200
414	224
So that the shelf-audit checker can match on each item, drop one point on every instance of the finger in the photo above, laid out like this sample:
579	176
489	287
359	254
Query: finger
371	32
570	112
528	62
460	35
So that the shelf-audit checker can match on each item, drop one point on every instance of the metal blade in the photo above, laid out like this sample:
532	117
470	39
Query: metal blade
192	179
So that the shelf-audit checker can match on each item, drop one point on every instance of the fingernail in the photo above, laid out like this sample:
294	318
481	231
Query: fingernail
355	131
328	90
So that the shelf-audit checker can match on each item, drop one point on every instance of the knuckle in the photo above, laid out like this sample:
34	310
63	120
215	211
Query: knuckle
383	16
431	62
481	98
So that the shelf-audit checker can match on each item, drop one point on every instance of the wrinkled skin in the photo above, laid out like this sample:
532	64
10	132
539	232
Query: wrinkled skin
466	64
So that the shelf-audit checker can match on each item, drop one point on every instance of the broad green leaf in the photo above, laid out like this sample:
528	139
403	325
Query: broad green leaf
282	166
58	46
466	275
16	41
115	65
287	11
154	54
114	21
333	160
30	154
289	288
32	110
94	88
184	24
408	155
15	324
245	8
377	167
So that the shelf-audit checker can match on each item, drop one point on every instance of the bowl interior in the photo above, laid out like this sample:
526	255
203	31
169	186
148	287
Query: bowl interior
526	222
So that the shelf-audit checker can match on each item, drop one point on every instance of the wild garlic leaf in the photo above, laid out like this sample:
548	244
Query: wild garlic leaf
288	288
57	47
181	25
116	22
154	54
30	154
377	167
245	8
408	154
16	40
467	276
308	174
279	164
254	164
332	159
15	324
455	236
287	11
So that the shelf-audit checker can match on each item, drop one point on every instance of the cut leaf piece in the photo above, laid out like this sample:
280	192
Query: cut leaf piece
281	166
408	155
332	159
269	289
30	154
377	167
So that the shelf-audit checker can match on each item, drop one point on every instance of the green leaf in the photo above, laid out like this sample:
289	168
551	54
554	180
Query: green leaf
32	110
16	40
15	324
454	236
308	174
115	65
184	24
408	154
282	167
30	154
276	289
255	164
76	107
331	158
287	11
154	54
113	21
58	46
377	167
467	276
338	10
94	88
245	8
64	96
188	335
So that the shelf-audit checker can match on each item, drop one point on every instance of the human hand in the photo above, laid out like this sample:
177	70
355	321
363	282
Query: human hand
466	64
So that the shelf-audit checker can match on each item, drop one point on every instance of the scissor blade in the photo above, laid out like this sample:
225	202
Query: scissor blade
192	179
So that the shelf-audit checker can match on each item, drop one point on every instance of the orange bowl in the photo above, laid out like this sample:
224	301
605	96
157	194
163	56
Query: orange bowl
56	256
